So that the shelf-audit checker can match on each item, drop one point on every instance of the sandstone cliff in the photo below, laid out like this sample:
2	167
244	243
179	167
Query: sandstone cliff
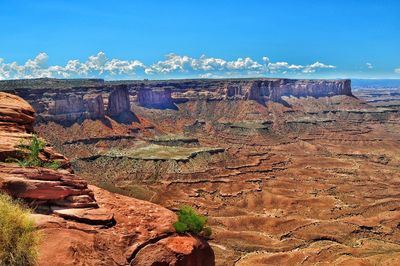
119	107
71	105
85	225
158	98
74	104
118	102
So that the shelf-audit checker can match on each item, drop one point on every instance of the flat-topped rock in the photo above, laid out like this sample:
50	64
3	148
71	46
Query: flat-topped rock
86	215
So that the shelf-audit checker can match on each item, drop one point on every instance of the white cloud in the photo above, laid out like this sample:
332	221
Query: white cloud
369	65
397	70
317	65
100	65
307	69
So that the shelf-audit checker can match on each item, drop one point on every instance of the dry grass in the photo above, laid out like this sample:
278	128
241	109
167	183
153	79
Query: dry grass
18	235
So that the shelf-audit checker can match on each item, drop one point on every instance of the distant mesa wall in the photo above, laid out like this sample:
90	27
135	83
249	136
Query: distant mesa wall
275	89
263	90
71	105
158	98
95	99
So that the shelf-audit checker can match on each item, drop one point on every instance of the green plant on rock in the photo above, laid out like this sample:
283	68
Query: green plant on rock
31	154
52	165
189	221
18	236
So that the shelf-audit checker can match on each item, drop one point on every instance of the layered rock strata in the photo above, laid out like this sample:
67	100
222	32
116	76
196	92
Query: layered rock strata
274	90
158	98
72	104
118	102
41	187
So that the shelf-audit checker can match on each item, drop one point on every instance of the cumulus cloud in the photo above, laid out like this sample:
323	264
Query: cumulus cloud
307	69
100	65
95	65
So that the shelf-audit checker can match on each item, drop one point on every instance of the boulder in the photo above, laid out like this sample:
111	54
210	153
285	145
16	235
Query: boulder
176	251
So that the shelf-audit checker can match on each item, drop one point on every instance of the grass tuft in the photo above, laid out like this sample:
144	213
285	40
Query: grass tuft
18	236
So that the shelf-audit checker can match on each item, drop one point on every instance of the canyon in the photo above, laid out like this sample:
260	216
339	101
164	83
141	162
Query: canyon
287	171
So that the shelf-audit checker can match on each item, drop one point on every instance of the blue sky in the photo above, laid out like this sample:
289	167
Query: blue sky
176	39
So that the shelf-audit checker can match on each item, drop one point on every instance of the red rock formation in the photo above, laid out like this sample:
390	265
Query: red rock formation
275	89
74	107
16	119
171	249
39	186
94	106
119	107
70	105
45	188
118	102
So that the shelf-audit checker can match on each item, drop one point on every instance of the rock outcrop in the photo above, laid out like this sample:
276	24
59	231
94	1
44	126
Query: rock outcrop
42	188
45	189
170	247
119	107
16	119
275	89
118	102
86	225
74	108
94	105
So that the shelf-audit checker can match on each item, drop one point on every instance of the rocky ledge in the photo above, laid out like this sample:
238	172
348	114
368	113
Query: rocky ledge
82	224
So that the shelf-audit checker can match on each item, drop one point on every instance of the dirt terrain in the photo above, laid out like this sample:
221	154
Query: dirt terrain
313	180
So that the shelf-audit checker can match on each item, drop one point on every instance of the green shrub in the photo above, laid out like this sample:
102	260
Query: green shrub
53	165
31	153
18	236
191	222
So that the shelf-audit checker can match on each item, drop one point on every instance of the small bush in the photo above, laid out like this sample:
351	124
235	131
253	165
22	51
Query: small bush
31	152
53	165
191	222
18	236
